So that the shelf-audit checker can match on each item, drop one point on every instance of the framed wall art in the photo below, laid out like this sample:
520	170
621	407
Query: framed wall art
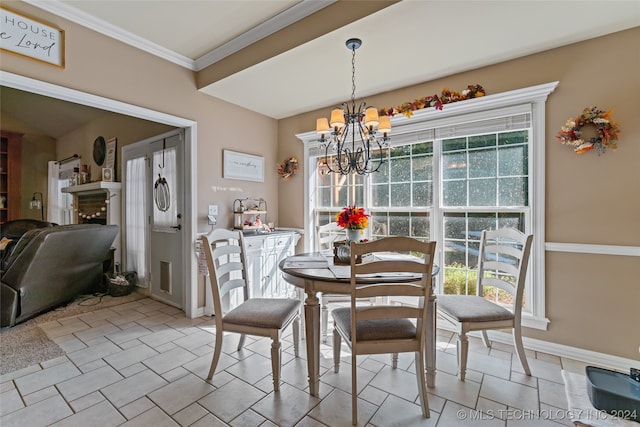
31	38
242	166
111	147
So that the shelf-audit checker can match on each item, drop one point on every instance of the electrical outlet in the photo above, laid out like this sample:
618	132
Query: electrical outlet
211	215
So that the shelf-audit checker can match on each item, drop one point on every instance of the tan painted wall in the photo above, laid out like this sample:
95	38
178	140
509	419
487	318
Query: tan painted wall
126	129
592	300
101	66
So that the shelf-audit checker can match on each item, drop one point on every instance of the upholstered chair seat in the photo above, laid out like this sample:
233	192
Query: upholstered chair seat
467	308
268	313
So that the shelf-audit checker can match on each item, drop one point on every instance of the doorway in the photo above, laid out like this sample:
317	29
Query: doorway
153	172
189	260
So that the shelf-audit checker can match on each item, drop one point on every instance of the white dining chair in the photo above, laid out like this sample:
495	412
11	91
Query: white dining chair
386	328
264	317
502	264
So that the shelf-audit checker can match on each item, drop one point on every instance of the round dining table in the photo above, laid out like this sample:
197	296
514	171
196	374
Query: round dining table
308	273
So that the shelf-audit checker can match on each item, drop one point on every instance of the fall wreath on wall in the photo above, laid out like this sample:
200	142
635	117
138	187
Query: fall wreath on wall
288	168
606	128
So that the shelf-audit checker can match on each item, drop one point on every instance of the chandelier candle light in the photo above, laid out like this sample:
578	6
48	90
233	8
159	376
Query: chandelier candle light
357	148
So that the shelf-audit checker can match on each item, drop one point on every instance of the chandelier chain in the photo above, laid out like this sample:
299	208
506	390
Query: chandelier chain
353	77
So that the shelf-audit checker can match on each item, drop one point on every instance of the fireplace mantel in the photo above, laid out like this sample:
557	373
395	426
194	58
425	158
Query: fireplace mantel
99	186
111	192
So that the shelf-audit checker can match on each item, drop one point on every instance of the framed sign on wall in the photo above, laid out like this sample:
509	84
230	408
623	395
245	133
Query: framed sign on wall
242	166
31	38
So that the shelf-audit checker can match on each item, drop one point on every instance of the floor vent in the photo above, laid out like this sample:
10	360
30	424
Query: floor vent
165	277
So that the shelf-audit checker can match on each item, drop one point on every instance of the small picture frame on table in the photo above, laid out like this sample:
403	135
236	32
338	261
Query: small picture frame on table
107	174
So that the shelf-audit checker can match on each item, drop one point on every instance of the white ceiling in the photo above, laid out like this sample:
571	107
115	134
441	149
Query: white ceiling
406	43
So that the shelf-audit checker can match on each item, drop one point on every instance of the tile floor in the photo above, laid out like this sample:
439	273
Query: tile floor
144	363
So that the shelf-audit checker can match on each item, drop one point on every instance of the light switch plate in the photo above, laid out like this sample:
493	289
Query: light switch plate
213	209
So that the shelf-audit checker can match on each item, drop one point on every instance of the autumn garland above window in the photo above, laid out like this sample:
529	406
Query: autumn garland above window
288	168
606	128
447	97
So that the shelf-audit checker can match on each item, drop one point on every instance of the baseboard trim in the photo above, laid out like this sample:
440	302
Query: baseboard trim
198	312
610	361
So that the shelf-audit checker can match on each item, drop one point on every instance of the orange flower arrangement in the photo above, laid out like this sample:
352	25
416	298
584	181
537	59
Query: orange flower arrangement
352	218
607	128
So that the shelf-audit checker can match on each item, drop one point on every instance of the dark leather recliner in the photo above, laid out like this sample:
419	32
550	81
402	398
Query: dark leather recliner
51	266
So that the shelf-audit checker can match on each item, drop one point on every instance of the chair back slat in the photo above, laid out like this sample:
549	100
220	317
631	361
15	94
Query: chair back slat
230	285
225	261
503	267
221	250
384	266
224	267
388	312
498	283
504	250
389	290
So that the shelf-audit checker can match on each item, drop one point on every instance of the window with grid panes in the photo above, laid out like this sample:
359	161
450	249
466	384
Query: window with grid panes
449	176
485	185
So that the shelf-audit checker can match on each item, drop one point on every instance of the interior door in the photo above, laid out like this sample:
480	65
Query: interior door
166	208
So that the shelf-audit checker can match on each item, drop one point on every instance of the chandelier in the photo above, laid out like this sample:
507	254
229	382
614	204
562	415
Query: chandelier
354	140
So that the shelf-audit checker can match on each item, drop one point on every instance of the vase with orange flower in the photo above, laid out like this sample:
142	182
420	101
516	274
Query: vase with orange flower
354	220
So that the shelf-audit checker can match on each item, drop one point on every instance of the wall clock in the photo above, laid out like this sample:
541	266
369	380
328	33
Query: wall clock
99	150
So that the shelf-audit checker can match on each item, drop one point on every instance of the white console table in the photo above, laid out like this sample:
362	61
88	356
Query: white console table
263	253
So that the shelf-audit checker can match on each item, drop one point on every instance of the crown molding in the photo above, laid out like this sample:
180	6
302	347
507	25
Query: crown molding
294	13
103	27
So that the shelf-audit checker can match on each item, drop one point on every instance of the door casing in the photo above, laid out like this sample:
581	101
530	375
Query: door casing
190	263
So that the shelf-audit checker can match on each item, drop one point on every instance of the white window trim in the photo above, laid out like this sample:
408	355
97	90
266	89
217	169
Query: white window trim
477	109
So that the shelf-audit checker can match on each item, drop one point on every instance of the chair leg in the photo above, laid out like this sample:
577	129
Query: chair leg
422	384
216	353
394	360
325	322
517	341
276	348
296	336
337	342
354	390
241	342
463	348
485	338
